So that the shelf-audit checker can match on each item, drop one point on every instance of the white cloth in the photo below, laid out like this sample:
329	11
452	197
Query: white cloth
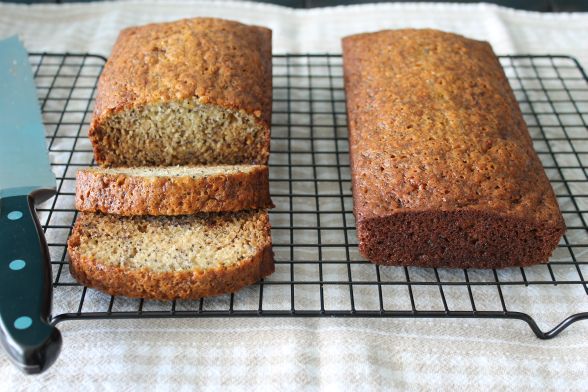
93	27
287	353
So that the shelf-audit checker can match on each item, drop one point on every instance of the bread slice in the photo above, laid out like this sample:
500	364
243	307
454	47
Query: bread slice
191	92
166	258
176	190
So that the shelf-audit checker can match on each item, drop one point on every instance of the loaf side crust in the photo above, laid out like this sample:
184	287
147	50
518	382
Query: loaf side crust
438	142
126	195
167	285
456	239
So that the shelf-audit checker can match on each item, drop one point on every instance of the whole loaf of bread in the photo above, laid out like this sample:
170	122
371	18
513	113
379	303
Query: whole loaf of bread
444	172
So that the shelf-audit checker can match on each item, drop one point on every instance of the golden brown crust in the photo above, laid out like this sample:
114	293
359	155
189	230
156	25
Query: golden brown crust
217	61
435	132
143	283
122	194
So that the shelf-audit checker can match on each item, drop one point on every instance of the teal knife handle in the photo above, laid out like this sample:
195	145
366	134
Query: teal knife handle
25	288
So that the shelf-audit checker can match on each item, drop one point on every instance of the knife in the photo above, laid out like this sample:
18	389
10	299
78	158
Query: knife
31	342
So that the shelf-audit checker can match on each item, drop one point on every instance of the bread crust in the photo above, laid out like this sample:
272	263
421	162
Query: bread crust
168	285
438	142
219	62
126	195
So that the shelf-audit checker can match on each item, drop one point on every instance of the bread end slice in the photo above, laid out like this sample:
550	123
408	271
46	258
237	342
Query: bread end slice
167	258
176	190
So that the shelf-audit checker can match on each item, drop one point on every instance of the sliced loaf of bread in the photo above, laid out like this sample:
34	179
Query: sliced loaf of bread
175	190
190	92
166	258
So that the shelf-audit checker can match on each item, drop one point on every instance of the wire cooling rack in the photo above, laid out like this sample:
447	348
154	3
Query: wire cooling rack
319	271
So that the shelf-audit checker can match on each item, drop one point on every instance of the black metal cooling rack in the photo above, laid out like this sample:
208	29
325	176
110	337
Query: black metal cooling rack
319	271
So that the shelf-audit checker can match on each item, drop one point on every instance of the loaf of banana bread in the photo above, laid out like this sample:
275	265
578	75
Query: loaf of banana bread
444	173
195	91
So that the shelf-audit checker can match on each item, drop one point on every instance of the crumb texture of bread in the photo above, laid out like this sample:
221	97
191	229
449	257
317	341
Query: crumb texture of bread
191	92
444	173
165	258
173	190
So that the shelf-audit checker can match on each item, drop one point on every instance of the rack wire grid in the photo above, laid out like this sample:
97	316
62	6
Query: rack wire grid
319	271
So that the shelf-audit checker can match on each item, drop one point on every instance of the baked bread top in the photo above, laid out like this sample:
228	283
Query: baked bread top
434	125
214	60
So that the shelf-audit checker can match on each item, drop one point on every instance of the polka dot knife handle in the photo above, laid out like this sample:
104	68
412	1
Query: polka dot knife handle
25	269
25	288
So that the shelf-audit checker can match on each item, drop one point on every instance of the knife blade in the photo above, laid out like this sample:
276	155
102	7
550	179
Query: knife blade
25	178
